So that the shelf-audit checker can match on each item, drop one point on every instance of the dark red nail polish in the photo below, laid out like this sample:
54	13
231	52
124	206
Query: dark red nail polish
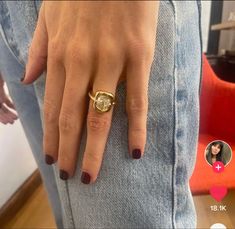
49	159
64	175
85	178
136	153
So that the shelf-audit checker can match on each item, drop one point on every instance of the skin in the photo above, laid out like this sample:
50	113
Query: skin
91	45
215	149
7	116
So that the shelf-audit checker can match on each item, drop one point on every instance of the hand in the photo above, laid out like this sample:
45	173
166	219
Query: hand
6	115
91	45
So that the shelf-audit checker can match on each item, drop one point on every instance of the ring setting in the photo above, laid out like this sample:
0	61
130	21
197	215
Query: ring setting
102	101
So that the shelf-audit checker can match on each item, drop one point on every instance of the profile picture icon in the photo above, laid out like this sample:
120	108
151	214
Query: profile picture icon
218	151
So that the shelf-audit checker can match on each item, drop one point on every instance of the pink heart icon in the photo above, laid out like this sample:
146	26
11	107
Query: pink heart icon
218	192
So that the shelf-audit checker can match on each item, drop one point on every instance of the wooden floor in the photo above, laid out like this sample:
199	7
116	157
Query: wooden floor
207	217
36	212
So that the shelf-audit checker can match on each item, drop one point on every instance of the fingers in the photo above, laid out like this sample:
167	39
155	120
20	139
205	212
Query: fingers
3	119
98	124
6	115
37	55
137	107
71	120
9	113
55	81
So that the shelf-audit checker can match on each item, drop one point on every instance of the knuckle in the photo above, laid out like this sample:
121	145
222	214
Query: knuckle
93	157
97	124
65	159
140	50
50	115
111	59
78	54
55	50
139	131
66	122
108	49
137	105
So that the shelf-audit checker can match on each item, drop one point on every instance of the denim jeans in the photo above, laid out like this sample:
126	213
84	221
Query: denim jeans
152	192
25	99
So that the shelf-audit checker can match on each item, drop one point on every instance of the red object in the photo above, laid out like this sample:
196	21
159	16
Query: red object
218	193
218	167
217	122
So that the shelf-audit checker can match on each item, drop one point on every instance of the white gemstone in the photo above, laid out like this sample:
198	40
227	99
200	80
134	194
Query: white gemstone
103	102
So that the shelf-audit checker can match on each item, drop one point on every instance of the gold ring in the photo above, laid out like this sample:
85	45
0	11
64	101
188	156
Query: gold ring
102	101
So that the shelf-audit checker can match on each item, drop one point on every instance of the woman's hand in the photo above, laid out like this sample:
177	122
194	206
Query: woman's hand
6	115
91	45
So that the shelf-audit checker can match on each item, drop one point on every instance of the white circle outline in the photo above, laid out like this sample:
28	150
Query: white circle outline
231	152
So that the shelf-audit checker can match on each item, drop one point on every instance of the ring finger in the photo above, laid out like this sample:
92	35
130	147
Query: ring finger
98	124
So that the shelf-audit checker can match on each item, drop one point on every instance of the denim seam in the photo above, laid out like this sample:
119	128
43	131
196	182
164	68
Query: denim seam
174	118
200	36
71	218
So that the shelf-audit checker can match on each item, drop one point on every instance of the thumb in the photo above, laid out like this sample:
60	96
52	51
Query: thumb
37	54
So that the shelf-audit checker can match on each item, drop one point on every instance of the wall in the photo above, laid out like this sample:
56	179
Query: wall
206	10
16	160
227	38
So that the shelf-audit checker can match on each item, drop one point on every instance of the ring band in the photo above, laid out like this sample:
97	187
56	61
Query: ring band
102	101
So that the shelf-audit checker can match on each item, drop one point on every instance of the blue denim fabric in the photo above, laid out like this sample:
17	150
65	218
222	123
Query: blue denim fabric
152	192
14	39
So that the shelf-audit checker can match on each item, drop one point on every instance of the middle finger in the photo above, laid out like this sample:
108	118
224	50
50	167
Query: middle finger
71	118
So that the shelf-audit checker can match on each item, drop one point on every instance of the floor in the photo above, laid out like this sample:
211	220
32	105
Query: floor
36	212
207	217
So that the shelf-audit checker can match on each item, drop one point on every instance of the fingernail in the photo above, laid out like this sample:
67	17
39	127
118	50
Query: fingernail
136	153
22	79
85	178
49	159
64	175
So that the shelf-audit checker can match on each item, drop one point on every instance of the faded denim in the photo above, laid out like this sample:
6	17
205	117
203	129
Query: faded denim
152	192
25	97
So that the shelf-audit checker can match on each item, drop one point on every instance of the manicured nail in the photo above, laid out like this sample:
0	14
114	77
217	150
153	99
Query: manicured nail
22	79
136	153
85	178
64	175
49	159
